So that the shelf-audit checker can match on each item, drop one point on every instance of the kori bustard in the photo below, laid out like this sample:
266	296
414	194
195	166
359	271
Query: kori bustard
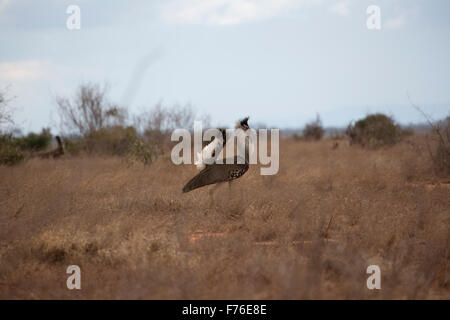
216	173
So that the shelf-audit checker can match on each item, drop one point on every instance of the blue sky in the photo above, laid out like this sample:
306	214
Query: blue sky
279	61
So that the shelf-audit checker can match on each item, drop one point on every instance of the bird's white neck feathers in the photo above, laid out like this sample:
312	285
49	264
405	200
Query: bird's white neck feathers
206	154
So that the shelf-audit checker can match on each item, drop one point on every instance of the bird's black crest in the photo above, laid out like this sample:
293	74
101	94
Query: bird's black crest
244	122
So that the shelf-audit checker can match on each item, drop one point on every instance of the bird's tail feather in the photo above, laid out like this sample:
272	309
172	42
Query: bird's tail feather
203	178
195	182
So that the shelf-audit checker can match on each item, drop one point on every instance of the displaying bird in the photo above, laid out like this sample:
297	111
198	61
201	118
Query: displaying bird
228	171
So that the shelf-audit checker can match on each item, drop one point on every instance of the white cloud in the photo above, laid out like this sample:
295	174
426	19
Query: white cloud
227	12
341	8
28	71
396	22
22	71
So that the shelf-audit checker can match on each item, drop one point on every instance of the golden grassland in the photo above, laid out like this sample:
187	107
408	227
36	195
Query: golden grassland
308	232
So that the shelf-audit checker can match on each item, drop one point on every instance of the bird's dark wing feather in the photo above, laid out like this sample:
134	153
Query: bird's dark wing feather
216	173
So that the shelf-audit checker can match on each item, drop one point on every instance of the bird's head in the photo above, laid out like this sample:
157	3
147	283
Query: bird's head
243	124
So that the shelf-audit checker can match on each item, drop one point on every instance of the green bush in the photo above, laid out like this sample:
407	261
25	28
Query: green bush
111	140
141	152
114	140
10	153
15	149
72	145
34	141
374	131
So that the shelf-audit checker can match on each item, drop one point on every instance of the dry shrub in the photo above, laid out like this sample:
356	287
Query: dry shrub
97	126
439	143
112	141
10	152
158	124
314	130
374	131
5	110
94	125
441	139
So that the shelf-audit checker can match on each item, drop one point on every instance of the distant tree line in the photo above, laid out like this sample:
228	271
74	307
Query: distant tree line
91	124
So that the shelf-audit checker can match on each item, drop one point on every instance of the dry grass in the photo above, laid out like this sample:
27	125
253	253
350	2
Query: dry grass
135	235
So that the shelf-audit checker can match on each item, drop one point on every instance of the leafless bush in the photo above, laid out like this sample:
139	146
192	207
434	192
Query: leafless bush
441	157
5	110
89	111
158	124
314	130
439	146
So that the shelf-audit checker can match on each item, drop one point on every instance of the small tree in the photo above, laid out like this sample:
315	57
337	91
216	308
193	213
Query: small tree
5	110
10	153
314	130
89	111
